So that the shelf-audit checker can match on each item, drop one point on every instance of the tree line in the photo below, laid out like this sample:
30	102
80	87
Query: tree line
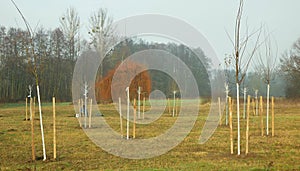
58	50
194	58
55	64
55	54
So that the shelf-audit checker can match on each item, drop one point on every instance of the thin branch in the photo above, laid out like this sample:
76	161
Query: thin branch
24	19
267	67
232	43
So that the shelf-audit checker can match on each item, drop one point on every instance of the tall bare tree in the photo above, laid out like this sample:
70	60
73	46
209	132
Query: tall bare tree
266	65
290	67
101	33
70	24
34	61
242	57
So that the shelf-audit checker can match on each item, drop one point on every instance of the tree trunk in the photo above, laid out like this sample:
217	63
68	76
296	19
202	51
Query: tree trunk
268	104
41	121
220	115
85	102
32	132
54	128
226	109
230	124
273	117
174	105
121	120
247	125
128	101
139	102
238	118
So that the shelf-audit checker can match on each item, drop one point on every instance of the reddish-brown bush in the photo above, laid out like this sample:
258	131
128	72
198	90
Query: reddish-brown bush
125	71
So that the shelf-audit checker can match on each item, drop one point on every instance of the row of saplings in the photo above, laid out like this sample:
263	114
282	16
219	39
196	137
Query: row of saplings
172	110
85	111
85	107
31	117
257	106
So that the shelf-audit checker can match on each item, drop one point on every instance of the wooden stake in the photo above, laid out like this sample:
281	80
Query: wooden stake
90	113
245	96
54	129
247	126
121	120
134	118
273	118
26	108
261	115
226	104
220	114
32	133
144	103
230	124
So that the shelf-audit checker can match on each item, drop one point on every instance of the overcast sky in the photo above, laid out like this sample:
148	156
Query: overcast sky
210	17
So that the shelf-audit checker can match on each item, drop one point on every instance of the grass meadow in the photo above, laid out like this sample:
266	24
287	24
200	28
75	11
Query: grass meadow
76	152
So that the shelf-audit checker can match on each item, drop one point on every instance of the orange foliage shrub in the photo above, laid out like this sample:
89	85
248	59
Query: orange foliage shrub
125	71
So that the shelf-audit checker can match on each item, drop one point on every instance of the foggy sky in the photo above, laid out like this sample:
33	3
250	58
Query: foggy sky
210	17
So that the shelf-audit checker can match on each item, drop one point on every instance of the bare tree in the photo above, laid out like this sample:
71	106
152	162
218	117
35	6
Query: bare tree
227	62
242	57
34	62
101	33
290	68
70	24
265	66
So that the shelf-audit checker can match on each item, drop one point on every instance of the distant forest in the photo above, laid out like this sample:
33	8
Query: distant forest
57	61
58	49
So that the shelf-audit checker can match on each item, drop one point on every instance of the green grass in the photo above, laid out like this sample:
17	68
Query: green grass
76	152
